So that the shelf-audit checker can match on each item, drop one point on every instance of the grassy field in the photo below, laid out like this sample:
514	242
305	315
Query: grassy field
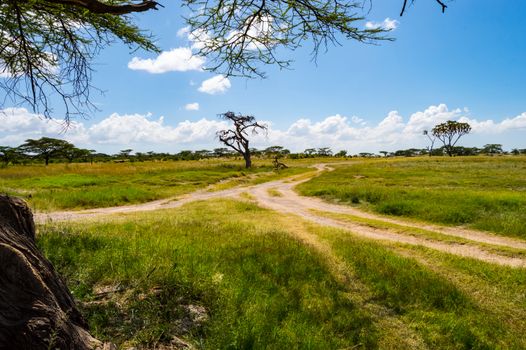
80	186
486	193
265	281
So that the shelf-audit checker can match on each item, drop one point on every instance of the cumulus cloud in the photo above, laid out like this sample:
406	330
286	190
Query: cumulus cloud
492	127
18	124
176	60
386	24
216	85
354	134
142	129
197	39
192	106
390	133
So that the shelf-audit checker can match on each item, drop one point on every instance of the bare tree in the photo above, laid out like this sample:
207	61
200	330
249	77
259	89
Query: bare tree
449	133
237	137
432	139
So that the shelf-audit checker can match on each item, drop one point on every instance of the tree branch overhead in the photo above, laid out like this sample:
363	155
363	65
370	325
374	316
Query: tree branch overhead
99	7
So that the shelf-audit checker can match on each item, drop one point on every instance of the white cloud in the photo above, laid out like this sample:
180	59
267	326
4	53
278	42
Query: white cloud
215	85
143	132
140	129
183	32
197	38
420	121
387	24
390	133
18	124
358	120
259	35
192	106
176	60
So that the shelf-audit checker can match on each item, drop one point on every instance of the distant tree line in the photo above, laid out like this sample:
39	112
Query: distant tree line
48	150
489	149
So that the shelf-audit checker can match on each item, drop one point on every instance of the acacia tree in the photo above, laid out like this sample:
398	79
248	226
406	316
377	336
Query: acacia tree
46	147
492	148
71	153
449	133
324	152
47	46
9	154
237	137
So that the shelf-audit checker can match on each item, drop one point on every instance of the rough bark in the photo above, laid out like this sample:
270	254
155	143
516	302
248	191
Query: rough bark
37	310
248	160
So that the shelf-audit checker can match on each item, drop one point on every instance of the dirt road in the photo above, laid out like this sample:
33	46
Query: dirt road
280	196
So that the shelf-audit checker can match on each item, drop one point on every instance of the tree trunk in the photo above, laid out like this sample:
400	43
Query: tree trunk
37	310
248	161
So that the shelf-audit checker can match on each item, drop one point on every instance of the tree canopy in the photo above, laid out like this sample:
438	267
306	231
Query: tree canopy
46	46
46	147
449	133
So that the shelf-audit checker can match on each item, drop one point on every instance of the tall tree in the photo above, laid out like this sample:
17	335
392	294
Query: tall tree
449	133
237	137
9	154
221	152
71	153
310	152
45	148
125	153
492	148
324	152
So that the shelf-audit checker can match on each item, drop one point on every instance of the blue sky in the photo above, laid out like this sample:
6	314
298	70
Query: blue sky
467	64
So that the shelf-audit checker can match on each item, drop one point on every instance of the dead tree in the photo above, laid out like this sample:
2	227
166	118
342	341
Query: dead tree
237	137
432	139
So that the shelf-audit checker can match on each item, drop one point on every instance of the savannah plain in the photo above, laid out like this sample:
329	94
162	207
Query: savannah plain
391	253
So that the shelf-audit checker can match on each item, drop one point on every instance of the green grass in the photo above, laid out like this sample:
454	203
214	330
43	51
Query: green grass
79	186
486	193
434	301
266	285
262	288
274	192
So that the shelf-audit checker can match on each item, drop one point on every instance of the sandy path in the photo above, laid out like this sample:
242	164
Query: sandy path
292	203
149	206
